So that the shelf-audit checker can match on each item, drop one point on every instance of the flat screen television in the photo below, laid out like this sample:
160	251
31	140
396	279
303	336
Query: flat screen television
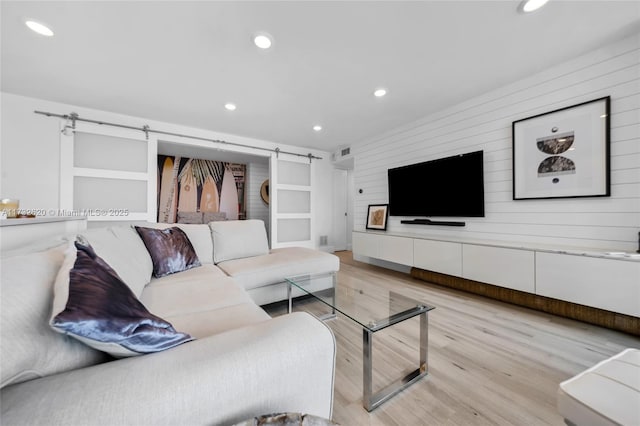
451	186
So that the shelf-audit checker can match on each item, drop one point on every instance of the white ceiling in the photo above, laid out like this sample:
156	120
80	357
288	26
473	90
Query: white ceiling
180	62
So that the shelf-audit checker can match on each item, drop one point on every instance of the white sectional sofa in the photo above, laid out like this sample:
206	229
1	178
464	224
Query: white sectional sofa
242	362
606	394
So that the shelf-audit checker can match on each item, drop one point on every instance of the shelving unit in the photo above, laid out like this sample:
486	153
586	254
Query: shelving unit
575	275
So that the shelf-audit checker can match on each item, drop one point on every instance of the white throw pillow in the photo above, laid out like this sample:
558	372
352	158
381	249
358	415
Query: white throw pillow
124	251
237	239
30	348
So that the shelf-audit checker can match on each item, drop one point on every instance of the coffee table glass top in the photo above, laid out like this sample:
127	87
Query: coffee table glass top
372	307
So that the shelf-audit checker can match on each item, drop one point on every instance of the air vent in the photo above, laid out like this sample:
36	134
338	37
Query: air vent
345	151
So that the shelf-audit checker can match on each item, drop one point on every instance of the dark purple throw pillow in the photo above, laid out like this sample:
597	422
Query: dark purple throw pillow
102	312
170	250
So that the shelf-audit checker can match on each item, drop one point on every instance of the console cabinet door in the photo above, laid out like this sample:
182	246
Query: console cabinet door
365	244
396	249
610	284
384	247
504	267
438	256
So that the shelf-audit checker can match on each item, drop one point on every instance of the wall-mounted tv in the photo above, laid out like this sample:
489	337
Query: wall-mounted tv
451	186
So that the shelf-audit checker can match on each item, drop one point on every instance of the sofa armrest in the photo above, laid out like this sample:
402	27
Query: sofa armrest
283	364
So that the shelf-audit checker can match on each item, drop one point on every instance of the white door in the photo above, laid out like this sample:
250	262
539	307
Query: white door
290	201
108	173
340	209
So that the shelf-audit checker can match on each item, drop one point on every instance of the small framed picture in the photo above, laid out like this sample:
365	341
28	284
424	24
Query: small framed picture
377	216
563	153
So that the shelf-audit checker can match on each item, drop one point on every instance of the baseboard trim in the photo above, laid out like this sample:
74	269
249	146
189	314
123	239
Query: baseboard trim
600	317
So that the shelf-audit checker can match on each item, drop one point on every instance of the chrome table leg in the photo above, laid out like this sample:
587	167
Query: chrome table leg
371	400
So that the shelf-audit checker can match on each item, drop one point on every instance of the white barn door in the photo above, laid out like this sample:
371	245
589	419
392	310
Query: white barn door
108	173
291	180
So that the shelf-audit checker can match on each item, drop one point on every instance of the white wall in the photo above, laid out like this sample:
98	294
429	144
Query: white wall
351	197
323	199
256	208
484	123
30	153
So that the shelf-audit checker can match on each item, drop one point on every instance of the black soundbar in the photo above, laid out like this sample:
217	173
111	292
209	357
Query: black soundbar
431	222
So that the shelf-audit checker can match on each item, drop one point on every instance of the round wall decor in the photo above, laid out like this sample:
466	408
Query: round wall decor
264	191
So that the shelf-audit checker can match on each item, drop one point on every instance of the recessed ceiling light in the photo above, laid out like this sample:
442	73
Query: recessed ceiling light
263	40
230	106
531	5
379	93
39	28
317	128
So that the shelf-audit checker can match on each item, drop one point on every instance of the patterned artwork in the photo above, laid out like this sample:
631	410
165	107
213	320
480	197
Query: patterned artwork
563	153
192	190
555	145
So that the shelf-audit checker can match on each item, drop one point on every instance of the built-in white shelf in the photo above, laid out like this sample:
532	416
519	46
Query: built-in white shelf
601	279
550	248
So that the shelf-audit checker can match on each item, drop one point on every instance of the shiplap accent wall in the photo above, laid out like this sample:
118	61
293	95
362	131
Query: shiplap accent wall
256	208
484	122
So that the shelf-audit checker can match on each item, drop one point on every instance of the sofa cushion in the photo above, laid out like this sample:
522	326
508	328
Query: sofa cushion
122	249
208	323
258	271
200	291
30	348
238	239
199	235
205	272
39	245
102	312
170	250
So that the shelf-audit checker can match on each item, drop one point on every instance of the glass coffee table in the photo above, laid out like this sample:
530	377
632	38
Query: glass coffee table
374	309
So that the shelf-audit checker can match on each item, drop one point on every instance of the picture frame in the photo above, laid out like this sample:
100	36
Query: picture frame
377	215
563	153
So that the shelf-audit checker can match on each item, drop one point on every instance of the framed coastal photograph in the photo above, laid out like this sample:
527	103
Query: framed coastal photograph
563	153
192	190
377	216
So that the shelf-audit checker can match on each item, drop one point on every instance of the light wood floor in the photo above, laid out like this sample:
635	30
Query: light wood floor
489	362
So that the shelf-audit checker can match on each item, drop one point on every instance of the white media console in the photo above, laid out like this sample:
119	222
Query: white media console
586	277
